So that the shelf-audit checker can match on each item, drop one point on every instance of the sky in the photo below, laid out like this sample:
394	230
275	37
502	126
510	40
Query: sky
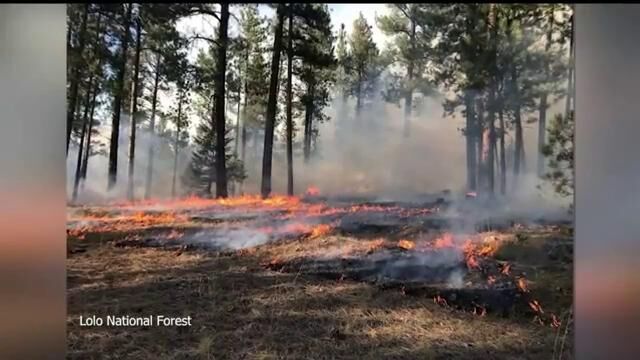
340	13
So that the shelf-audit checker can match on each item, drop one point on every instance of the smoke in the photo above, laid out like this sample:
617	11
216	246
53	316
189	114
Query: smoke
94	188
229	237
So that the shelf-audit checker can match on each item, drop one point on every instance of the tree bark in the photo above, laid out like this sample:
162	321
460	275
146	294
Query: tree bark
75	78
289	100
152	126
359	95
76	181
492	99
221	69
134	109
117	104
570	86
176	144
308	121
470	137
480	142
87	153
271	105
503	160
408	100
542	121
244	119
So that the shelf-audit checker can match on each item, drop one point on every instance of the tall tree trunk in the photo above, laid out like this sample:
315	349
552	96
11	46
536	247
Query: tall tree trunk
96	88
176	145
359	95
221	70
480	142
517	121
87	152
117	103
75	78
271	105
470	135
152	126
244	119
134	109
76	181
503	160
492	97
542	121
408	100
308	121
213	165
289	100
236	131
570	85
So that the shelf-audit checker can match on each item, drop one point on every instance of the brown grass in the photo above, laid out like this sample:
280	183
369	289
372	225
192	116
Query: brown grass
242	311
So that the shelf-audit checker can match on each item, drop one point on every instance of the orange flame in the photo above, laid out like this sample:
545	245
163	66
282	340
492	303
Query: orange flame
445	241
321	230
406	244
312	191
505	269
439	300
472	263
536	306
522	285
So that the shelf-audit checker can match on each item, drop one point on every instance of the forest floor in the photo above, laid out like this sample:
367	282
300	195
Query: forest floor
242	309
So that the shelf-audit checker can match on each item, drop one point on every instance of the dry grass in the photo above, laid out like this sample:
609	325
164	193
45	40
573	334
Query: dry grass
242	311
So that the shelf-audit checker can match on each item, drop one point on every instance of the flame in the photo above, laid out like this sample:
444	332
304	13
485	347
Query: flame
312	191
321	230
439	300
375	245
522	285
472	263
406	244
505	269
445	241
481	312
536	306
555	323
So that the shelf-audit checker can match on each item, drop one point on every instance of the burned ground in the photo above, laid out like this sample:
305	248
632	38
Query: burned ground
358	280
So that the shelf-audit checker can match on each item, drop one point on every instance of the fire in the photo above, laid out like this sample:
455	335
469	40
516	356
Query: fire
535	305
481	312
472	263
439	300
491	280
406	244
522	285
375	245
444	241
312	191
555	323
320	230
505	269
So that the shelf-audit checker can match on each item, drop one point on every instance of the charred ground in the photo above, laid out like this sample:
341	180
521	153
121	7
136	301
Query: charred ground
285	277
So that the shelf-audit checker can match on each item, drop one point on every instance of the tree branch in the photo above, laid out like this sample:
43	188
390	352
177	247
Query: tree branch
198	37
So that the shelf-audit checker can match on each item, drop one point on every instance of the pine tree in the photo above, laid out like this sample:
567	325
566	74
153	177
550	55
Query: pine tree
366	62
121	67
272	103
412	36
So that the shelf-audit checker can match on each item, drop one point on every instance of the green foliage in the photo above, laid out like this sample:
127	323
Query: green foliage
365	60
560	150
409	27
200	173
